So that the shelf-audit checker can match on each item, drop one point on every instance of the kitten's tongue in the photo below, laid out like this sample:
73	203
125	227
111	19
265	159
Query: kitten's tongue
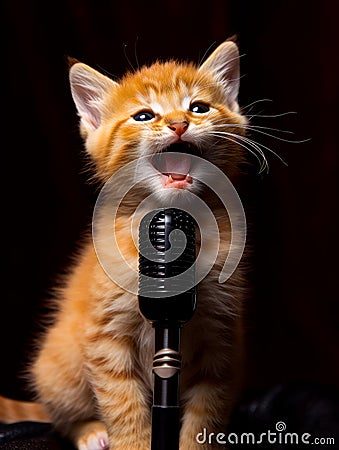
176	164
174	167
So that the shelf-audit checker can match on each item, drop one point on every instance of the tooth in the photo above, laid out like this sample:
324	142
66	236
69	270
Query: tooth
170	179
189	178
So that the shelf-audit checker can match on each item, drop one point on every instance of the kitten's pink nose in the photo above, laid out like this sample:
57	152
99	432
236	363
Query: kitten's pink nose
178	127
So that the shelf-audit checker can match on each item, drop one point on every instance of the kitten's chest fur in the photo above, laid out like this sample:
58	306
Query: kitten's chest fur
114	313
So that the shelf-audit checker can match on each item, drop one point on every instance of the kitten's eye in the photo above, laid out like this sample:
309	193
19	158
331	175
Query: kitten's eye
199	108
143	116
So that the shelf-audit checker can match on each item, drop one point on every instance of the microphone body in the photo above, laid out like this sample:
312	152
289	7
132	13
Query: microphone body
166	273
167	299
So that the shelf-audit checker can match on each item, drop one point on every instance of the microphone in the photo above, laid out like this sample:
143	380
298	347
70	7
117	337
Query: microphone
166	266
167	299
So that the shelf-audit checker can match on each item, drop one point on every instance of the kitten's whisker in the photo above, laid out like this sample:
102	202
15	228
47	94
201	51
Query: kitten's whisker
262	161
135	52
271	116
258	129
260	145
250	106
289	141
257	146
127	58
253	127
206	53
255	102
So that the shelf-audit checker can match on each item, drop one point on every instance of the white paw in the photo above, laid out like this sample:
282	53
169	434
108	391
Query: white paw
97	441
94	440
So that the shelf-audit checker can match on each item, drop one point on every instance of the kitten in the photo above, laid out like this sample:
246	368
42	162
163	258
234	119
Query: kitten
93	370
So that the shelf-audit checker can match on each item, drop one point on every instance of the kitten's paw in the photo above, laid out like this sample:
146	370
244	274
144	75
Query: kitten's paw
90	436
96	441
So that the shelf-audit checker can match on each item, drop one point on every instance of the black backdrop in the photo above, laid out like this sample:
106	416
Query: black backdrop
289	52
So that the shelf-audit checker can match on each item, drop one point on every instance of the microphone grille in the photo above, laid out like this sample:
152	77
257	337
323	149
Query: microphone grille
166	249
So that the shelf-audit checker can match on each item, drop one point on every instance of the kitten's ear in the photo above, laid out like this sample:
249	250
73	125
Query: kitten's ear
224	64
89	88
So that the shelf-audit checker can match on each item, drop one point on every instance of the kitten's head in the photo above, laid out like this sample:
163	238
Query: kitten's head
168	111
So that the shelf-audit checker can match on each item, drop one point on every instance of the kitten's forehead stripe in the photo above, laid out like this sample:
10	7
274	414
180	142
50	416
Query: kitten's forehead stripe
157	108
167	87
186	102
165	103
170	86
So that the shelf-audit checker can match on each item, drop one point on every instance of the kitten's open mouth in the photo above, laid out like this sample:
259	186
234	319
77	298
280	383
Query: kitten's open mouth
174	164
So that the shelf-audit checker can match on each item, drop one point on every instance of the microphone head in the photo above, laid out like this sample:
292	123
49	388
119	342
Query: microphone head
167	254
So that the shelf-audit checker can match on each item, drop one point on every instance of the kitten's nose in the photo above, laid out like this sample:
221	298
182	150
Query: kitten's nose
178	127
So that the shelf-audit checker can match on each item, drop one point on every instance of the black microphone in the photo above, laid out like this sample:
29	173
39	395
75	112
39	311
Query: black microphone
167	299
166	266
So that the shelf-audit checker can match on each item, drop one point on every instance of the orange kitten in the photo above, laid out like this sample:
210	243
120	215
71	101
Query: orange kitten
93	371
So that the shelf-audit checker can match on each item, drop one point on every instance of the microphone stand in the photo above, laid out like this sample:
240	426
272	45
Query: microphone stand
167	304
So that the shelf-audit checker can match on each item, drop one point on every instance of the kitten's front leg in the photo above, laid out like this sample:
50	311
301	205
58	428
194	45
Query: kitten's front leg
205	416
122	397
126	415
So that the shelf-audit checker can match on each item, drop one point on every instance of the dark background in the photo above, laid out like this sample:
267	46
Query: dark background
290	52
